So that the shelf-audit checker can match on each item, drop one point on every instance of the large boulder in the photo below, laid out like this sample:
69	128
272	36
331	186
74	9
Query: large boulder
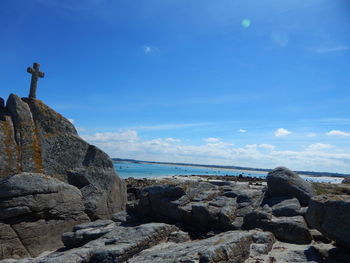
285	183
330	215
35	210
38	139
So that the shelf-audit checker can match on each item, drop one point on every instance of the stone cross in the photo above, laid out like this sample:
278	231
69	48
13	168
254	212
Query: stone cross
34	82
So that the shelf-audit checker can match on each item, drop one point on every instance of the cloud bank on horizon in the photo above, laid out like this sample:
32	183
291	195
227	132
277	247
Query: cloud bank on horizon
312	157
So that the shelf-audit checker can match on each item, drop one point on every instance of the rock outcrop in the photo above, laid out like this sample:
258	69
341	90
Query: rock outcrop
35	210
35	138
51	179
330	215
282	182
156	242
200	205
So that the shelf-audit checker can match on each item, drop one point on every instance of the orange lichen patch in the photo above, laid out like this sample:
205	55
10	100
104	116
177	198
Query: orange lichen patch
11	166
38	161
50	135
47	117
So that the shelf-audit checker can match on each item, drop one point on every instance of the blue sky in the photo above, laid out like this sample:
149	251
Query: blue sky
189	80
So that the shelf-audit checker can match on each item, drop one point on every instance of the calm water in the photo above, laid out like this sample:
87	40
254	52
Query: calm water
146	170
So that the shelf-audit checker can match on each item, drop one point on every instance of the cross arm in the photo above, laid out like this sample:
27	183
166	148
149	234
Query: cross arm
30	70
41	74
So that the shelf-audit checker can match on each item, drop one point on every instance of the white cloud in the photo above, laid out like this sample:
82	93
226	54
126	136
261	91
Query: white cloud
319	146
267	146
337	133
71	120
170	126
127	136
331	49
281	132
128	144
242	130
212	140
172	140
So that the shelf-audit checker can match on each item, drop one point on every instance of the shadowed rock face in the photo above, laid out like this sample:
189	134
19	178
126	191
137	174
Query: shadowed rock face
330	215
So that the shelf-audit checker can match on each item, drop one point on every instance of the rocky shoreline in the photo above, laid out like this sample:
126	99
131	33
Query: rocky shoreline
62	202
191	220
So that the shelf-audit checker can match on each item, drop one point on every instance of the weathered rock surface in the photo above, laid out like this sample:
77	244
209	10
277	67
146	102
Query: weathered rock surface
35	210
291	253
346	180
330	215
118	245
10	244
9	163
200	205
285	206
282	182
158	242
38	139
231	246
25	135
288	229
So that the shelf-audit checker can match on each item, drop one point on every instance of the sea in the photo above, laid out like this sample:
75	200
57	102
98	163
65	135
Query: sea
151	170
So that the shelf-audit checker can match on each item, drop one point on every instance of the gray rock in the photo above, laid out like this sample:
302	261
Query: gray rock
26	135
232	246
257	219
39	209
104	192
118	245
84	233
330	215
10	244
9	164
179	237
285	207
262	243
318	237
283	182
346	180
291	253
290	229
38	139
198	205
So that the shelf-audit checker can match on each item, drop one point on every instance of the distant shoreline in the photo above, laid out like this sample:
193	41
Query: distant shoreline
243	169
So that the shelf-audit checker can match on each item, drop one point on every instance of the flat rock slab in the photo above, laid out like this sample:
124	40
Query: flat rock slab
118	245
232	246
284	252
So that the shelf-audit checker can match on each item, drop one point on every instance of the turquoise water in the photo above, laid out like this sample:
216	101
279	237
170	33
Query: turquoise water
147	170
